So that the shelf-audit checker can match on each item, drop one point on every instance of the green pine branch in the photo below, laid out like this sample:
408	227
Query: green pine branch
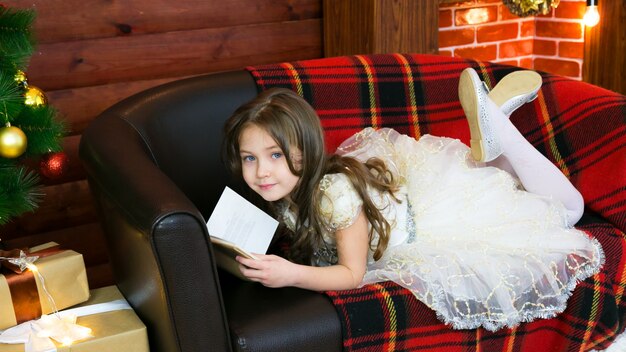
19	193
43	131
16	38
11	98
6	163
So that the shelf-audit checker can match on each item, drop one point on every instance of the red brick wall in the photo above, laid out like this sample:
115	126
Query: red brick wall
486	30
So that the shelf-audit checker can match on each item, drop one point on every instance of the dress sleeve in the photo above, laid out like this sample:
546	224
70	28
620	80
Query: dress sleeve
340	203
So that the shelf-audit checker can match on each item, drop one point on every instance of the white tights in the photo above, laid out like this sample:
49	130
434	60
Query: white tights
536	173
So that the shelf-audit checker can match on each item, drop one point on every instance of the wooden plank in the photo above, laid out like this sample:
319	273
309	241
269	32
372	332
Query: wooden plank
100	276
78	109
102	61
68	20
348	27
373	27
605	48
79	106
87	240
64	206
408	26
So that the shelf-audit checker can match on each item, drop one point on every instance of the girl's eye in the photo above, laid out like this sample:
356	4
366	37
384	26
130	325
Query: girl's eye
276	155
248	158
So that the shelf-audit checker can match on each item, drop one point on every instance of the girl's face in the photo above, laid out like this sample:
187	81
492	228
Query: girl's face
264	166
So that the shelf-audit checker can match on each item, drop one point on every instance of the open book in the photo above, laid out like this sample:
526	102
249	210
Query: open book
238	227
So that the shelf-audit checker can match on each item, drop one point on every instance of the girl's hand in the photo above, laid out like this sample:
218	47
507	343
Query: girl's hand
352	247
269	270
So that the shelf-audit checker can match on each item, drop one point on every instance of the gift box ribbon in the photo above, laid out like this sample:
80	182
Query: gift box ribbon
60	325
22	284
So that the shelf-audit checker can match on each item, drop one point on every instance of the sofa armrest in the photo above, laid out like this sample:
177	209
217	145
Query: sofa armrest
158	241
279	319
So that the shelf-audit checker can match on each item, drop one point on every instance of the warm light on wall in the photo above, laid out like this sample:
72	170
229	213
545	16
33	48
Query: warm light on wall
477	15
592	17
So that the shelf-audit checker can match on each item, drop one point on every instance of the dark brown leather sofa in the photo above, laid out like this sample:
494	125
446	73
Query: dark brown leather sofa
154	167
153	164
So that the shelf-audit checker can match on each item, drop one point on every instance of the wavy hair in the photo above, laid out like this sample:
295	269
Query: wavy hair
293	123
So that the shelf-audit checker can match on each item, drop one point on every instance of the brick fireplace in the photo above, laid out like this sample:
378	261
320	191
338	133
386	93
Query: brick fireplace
486	30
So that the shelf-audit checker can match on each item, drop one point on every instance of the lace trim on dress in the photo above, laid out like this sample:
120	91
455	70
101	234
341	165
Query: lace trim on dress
492	322
411	229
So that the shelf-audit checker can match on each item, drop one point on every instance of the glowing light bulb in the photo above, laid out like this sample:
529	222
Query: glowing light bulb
67	341
592	17
32	267
475	16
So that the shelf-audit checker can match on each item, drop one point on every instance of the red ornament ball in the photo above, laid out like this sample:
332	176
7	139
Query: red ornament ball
54	165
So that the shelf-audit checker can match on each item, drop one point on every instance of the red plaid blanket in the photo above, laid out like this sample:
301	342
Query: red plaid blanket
580	127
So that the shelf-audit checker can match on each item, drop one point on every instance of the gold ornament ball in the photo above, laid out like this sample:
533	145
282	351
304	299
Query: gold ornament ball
12	142
34	97
20	77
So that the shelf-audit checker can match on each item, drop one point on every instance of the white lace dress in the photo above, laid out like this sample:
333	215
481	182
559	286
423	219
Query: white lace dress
466	240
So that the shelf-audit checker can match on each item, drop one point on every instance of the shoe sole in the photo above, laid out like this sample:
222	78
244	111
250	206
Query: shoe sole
515	84
467	96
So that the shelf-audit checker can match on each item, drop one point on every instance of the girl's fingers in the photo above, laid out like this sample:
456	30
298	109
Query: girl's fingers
255	263
251	267
249	273
258	270
250	263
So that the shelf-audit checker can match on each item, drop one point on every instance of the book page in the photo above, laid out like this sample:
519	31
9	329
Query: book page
240	222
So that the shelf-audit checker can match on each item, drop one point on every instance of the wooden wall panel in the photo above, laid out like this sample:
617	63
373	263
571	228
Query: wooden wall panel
86	239
78	106
110	60
93	53
373	26
605	48
69	20
65	205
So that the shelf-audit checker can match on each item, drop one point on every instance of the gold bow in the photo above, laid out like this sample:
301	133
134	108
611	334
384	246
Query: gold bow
525	8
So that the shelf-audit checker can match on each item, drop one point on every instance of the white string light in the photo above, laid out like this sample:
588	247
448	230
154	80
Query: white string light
62	329
591	17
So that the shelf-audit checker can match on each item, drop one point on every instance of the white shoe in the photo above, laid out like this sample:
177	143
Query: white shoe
484	141
516	89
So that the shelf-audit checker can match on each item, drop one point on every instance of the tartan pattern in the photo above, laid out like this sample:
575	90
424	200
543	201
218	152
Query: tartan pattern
581	128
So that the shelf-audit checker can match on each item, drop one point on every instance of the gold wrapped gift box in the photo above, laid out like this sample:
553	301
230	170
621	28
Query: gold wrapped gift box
65	279
114	331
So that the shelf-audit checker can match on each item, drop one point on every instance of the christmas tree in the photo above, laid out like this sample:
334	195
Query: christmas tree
28	126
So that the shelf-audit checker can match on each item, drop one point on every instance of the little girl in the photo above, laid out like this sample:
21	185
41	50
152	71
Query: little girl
480	245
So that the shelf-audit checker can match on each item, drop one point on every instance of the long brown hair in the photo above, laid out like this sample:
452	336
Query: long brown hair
293	123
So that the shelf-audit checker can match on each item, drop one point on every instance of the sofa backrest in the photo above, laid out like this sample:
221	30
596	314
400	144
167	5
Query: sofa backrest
181	124
579	127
